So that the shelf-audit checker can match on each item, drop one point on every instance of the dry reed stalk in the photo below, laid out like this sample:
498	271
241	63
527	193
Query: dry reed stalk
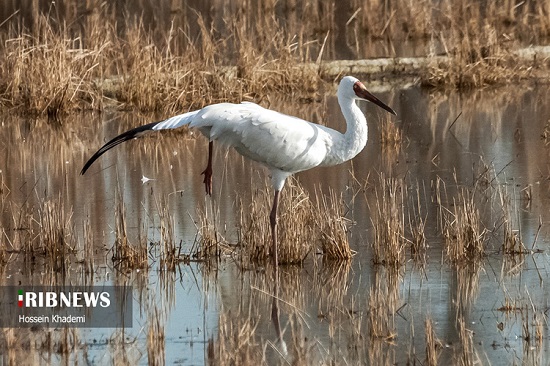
391	136
467	285
380	321
210	243
512	243
235	343
50	71
465	237
57	67
480	55
433	344
332	283
170	253
333	226
156	340
296	225
88	249
417	226
382	305
389	222
124	253
465	354
55	234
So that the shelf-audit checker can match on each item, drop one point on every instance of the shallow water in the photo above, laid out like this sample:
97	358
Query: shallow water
324	305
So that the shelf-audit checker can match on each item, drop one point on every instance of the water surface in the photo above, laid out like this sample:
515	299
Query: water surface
489	141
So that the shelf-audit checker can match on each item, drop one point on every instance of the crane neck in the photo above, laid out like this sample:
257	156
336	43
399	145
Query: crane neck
355	138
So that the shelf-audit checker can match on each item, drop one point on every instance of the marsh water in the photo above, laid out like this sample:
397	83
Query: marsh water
495	142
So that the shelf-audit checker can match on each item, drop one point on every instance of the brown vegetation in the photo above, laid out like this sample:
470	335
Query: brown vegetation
88	61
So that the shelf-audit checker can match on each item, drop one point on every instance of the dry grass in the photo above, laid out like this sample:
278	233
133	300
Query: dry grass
433	344
87	61
55	234
465	354
209	243
303	223
42	232
235	343
391	136
156	340
125	254
49	71
479	38
297	225
461	224
389	222
87	250
333	226
57	67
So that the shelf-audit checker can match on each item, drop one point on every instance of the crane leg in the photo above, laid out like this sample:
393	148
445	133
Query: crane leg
273	222
275	302
208	171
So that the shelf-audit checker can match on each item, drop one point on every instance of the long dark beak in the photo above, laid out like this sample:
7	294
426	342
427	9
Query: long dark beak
363	93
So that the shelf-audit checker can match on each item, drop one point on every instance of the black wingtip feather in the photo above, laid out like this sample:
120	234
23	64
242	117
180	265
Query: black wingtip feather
128	135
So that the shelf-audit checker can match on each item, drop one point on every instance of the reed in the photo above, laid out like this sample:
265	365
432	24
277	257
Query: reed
465	236
333	226
433	344
49	71
388	222
391	135
170	253
209	243
56	234
125	254
465	354
86	252
235	343
156	340
96	59
296	225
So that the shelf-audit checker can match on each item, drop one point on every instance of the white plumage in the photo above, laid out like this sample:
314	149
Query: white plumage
285	144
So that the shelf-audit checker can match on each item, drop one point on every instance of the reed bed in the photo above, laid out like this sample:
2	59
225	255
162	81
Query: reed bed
209	243
391	136
42	232
53	64
297	225
303	224
56	67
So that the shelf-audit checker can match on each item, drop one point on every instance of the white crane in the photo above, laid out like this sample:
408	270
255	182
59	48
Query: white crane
285	144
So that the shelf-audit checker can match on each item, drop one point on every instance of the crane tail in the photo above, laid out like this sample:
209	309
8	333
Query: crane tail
170	123
128	135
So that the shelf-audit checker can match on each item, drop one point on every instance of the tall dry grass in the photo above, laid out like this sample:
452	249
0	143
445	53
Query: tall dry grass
53	67
461	223
304	223
388	219
297	225
54	62
125	253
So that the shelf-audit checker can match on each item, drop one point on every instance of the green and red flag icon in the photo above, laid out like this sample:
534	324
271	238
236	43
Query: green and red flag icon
20	298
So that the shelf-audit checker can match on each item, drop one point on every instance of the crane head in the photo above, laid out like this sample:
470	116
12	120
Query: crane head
360	92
